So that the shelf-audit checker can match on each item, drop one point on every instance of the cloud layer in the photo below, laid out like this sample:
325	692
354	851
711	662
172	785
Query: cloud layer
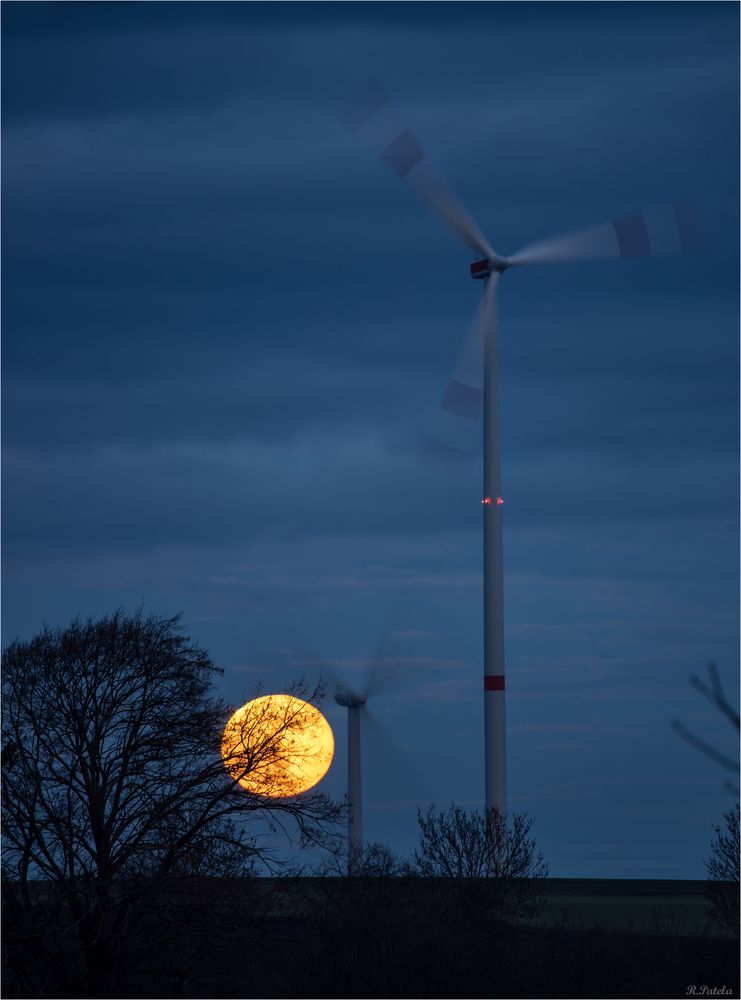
227	330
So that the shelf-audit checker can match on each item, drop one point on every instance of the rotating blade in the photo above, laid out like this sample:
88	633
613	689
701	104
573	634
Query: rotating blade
661	230
341	687
391	773
370	115
352	679
382	673
300	653
456	430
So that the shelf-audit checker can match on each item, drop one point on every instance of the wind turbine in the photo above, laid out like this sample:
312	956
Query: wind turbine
353	702
380	676
666	229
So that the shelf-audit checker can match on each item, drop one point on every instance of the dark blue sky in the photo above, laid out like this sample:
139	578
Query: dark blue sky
226	328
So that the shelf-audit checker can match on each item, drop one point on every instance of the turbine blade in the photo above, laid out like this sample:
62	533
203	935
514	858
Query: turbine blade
300	654
430	185
381	671
661	230
456	430
331	681
383	675
357	674
390	773
370	115
387	670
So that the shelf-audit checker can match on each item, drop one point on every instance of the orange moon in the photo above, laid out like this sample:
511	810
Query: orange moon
277	746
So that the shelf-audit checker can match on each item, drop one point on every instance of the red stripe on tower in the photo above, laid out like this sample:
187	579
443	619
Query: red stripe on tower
493	682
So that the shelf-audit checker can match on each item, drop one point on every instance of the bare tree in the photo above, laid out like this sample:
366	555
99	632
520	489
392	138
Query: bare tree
723	864
476	844
488	860
717	697
723	869
374	860
116	787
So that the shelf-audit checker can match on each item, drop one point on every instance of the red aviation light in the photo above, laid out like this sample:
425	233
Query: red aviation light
499	501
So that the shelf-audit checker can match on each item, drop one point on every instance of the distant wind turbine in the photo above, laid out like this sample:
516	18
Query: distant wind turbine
353	702
379	676
666	229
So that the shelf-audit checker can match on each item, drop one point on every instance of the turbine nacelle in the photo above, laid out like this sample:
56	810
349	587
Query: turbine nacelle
483	268
349	699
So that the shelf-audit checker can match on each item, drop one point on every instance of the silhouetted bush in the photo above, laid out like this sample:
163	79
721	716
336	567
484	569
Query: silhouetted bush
477	862
723	870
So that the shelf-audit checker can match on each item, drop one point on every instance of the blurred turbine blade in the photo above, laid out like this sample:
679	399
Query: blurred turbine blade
370	115
304	656
456	428
659	231
430	185
381	670
389	769
366	100
383	674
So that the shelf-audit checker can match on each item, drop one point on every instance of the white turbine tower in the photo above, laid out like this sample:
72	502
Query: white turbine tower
353	702
666	229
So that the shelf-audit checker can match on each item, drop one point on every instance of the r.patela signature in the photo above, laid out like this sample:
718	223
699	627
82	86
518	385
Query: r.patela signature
709	991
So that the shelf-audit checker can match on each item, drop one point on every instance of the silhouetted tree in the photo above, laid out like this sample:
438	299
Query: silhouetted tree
723	869
116	789
374	860
487	859
351	892
717	697
476	844
723	864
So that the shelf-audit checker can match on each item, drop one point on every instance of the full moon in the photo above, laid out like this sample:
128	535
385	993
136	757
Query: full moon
277	746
